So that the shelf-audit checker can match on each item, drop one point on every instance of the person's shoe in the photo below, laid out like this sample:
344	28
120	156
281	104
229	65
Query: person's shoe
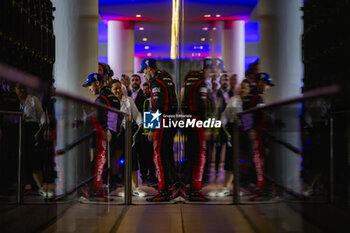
178	190
212	193
83	192
42	193
161	196
121	194
197	196
50	195
99	196
223	193
139	193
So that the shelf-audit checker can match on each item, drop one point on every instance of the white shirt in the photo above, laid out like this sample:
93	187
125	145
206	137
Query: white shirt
32	109
128	106
234	105
134	94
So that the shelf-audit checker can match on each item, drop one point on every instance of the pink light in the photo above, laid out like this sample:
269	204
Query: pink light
232	18
107	18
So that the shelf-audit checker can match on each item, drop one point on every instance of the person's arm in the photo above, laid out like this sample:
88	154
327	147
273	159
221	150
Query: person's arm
158	96
39	112
227	113
101	113
135	112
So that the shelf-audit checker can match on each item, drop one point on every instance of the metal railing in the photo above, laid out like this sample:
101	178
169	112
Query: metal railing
19	192
128	139
326	91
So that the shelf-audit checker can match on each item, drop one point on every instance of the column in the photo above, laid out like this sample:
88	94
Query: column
280	56
280	46
76	30
233	50
121	47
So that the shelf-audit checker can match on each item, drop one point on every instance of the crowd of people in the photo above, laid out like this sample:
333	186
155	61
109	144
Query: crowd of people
37	117
207	93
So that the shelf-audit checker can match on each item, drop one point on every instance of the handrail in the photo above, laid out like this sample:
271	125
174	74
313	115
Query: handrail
10	112
283	143
75	143
329	90
87	101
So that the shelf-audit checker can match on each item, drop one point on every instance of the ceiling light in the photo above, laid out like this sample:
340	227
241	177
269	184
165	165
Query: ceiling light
207	16
175	28
214	28
141	28
146	47
205	28
144	39
218	15
149	54
211	39
138	16
202	39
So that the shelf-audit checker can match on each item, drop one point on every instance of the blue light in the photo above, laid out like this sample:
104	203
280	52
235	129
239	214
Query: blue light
103	60
102	32
249	60
234	2
182	160
121	161
252	32
241	160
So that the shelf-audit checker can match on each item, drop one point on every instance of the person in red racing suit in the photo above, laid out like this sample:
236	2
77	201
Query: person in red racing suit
163	100
194	98
263	83
105	124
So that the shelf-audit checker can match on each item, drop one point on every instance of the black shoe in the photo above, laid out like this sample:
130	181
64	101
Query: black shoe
197	196
99	196
161	196
178	190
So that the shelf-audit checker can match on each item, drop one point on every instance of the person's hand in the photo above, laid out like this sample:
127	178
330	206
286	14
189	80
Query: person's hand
108	135
150	136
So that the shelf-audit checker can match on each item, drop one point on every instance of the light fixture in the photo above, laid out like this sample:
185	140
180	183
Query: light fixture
207	16
218	15
214	28
198	47
205	28
138	16
144	39
175	29
141	28
149	54
146	47
203	39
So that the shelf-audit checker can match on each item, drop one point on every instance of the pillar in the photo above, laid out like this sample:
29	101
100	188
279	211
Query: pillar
76	30
280	56
233	50
121	47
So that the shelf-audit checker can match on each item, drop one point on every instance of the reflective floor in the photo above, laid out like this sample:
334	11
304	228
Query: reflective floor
218	215
280	217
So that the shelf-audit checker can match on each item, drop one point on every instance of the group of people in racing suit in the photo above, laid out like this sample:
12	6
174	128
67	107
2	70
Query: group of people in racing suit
194	103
